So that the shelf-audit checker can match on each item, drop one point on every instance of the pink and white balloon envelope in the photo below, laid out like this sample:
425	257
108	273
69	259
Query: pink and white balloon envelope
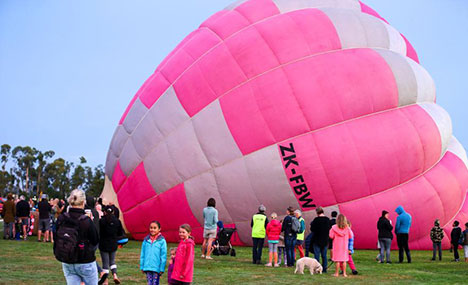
300	103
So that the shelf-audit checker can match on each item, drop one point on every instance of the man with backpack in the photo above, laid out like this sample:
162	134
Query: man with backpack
75	242
290	227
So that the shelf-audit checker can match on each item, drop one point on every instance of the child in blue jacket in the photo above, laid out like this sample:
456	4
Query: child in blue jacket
153	254
351	251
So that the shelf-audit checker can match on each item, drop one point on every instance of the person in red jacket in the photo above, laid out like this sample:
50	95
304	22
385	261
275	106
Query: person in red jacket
185	254
273	231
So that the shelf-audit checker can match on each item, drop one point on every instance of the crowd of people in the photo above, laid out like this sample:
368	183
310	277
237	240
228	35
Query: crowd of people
19	219
83	224
284	238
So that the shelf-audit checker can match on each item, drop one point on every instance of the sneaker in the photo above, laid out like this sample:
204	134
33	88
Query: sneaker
202	256
277	265
355	272
268	265
209	257
389	262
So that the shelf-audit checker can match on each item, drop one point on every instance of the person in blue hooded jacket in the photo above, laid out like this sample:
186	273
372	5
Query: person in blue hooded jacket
402	227
153	254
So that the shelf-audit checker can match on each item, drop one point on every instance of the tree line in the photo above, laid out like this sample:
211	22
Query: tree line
31	172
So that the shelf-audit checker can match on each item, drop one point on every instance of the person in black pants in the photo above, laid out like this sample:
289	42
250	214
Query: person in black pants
454	240
259	223
402	228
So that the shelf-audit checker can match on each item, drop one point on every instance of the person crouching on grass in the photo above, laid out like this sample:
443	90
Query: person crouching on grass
183	266
340	234
153	254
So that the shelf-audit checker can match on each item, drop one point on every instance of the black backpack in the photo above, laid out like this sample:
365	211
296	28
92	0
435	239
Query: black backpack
68	245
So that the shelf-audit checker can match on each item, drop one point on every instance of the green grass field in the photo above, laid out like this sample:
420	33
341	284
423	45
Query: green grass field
31	262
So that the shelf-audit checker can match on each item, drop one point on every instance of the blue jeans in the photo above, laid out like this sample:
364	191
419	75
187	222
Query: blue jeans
435	246
385	244
308	244
321	251
80	272
289	243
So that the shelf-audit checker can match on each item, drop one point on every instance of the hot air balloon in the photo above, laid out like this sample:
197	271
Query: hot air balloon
300	103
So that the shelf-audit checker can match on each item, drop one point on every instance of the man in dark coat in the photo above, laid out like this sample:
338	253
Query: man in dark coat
320	228
8	214
22	212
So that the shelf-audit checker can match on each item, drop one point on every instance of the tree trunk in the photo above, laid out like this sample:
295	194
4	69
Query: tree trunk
27	180
38	183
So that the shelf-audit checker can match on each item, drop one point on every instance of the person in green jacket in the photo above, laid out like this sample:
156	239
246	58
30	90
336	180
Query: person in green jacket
259	223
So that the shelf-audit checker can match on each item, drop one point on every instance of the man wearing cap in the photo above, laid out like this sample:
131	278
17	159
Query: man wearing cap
44	218
259	223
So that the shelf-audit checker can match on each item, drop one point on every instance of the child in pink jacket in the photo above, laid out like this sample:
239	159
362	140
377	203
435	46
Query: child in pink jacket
273	231
185	254
340	234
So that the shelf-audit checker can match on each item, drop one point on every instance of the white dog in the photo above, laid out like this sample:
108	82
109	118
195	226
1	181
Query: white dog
312	263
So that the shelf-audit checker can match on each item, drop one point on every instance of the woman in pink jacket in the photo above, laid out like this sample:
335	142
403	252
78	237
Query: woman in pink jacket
340	234
183	266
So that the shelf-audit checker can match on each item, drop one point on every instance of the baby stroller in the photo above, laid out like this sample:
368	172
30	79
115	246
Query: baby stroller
222	244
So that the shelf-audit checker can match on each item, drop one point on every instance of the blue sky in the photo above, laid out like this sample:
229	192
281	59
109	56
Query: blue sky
68	68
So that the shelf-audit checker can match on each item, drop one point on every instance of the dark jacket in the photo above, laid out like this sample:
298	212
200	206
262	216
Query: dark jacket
44	209
287	227
22	209
320	227
9	211
455	235
116	211
88	234
110	231
385	228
